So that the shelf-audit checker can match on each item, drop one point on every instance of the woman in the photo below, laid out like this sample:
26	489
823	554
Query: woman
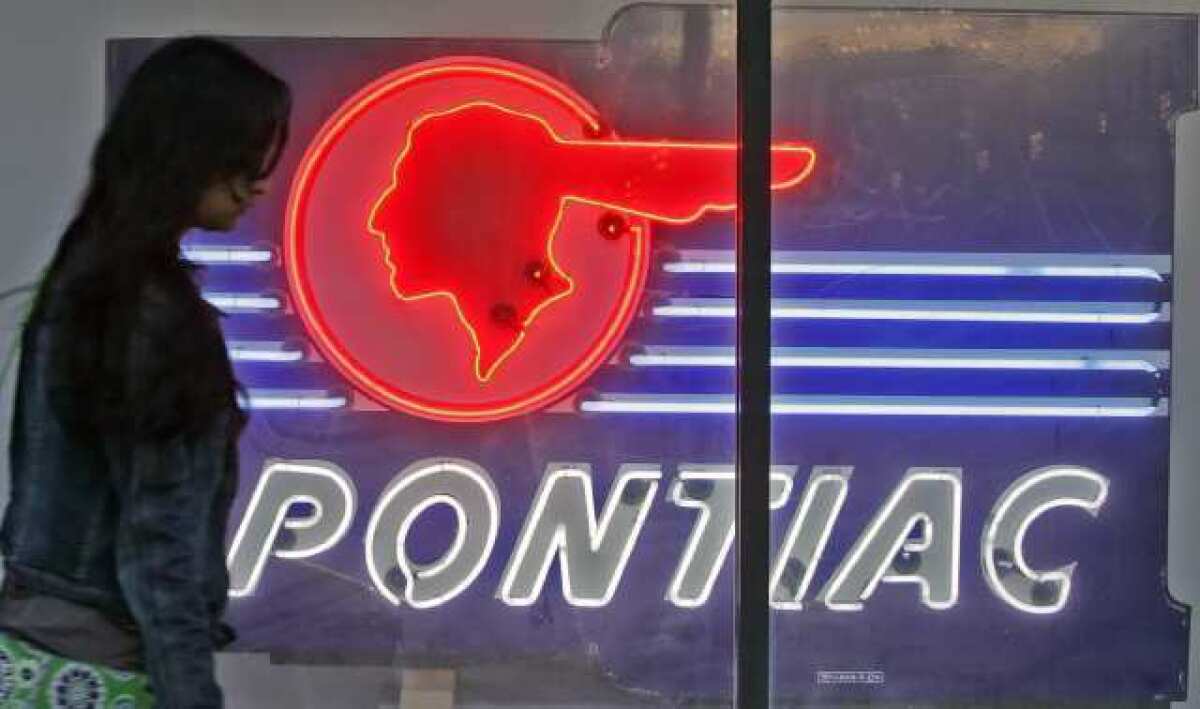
125	427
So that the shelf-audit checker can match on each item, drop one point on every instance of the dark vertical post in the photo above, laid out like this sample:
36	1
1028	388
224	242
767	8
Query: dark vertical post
753	676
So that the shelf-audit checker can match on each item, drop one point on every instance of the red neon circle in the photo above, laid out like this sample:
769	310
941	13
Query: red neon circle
392	394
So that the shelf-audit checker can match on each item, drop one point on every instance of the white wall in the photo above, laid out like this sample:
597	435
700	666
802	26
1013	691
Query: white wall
51	78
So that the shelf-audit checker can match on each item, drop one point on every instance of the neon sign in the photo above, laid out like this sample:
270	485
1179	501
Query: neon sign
971	359
915	536
505	198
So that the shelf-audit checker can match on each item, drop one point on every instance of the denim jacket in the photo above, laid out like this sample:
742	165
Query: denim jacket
134	529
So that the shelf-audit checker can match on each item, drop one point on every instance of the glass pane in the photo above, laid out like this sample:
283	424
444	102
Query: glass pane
971	354
470	477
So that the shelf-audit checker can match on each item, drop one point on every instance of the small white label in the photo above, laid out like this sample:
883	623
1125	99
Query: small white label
850	677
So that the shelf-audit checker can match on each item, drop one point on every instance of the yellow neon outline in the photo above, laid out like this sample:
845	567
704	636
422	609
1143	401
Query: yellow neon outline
565	200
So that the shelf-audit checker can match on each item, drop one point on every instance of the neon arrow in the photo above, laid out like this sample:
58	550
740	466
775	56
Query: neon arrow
479	190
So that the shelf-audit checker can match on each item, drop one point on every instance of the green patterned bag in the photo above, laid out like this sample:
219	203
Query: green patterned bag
35	679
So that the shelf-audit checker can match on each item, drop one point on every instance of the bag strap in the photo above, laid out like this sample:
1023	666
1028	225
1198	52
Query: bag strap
11	356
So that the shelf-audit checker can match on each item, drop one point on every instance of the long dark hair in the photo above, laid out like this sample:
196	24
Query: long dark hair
195	112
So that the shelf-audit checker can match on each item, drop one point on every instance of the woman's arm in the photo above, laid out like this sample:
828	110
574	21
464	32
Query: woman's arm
167	467
166	493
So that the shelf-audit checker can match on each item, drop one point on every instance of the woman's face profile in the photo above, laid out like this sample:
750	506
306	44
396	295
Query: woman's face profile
226	199
224	202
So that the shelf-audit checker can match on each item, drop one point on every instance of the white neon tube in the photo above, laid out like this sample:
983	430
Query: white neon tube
266	399
227	256
244	301
1076	312
895	358
240	351
1066	407
915	263
870	269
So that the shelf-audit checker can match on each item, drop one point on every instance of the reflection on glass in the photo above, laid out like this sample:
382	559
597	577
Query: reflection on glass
971	334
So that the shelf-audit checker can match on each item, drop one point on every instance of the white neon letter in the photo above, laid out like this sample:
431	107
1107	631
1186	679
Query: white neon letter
928	499
710	490
806	537
1002	550
282	484
562	523
470	493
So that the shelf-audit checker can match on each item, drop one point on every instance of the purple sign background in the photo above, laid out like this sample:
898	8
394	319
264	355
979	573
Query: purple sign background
940	132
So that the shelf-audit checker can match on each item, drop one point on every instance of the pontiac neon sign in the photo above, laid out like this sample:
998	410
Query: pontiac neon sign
485	190
915	536
946	298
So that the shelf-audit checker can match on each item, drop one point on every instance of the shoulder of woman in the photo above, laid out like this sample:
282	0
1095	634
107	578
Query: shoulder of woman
169	301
